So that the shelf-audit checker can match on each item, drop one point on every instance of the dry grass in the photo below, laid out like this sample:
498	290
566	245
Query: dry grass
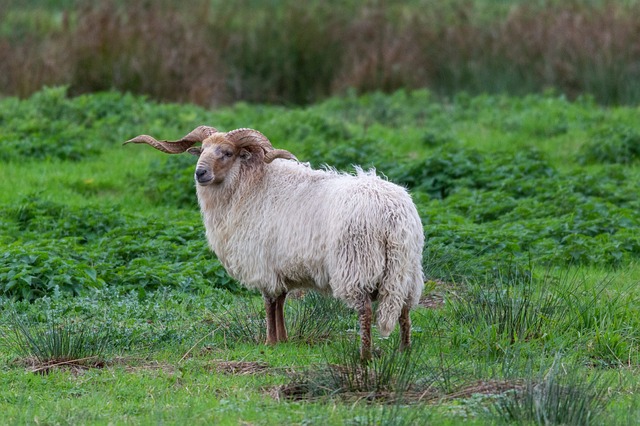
75	366
241	368
220	52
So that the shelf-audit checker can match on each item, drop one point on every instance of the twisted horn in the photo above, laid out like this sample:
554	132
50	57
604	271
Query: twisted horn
199	134
278	153
245	137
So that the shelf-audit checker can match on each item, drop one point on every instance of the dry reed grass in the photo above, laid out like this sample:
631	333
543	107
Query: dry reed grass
213	53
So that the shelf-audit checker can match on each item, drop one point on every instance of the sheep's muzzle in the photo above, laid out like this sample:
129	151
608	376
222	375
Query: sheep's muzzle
203	176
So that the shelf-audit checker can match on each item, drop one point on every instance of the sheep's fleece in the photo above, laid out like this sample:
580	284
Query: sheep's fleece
281	226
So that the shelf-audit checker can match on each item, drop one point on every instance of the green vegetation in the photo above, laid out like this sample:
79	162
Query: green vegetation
213	52
108	291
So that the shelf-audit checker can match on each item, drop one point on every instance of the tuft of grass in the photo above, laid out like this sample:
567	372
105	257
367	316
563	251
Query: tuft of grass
559	395
244	321
391	375
55	343
506	309
317	318
311	319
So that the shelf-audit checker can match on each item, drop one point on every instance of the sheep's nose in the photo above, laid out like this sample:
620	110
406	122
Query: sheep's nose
200	172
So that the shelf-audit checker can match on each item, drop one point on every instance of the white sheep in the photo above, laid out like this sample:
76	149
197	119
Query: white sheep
279	225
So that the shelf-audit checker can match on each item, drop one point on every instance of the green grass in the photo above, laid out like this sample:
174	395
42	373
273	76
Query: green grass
532	259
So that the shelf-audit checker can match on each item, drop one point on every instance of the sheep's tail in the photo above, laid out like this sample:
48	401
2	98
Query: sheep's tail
403	279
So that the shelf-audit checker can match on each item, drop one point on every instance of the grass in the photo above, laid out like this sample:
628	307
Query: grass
389	377
64	344
530	307
558	396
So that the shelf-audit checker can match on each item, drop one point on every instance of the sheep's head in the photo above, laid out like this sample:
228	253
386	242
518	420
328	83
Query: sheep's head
220	152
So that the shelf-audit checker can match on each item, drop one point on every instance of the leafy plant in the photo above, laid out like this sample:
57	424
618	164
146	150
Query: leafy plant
171	182
614	145
29	271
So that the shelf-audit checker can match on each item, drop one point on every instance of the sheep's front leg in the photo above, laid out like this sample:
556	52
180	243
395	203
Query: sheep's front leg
281	328
405	328
364	315
270	308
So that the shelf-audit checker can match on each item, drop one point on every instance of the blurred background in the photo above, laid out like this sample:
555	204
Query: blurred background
216	52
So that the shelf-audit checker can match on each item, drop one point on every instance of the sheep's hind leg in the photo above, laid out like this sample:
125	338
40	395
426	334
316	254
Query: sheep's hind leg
281	328
270	308
405	328
364	315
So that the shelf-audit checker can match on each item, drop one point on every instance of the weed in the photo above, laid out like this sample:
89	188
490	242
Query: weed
171	182
29	271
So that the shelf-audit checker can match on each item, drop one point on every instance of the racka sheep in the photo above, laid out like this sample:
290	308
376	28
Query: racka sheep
277	225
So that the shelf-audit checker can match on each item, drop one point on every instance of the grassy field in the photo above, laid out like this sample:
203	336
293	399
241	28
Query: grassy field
113	311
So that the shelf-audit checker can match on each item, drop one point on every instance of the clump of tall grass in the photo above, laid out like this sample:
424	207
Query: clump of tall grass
56	343
244	321
391	376
505	309
316	318
558	396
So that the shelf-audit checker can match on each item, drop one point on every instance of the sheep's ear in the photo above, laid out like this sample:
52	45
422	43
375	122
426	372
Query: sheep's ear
196	150
244	154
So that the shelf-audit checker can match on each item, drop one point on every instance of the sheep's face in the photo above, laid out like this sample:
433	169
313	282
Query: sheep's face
217	158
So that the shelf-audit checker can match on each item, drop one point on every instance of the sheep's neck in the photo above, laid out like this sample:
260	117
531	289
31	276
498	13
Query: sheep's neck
225	207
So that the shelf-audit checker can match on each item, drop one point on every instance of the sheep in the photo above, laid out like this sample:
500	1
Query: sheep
277	225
